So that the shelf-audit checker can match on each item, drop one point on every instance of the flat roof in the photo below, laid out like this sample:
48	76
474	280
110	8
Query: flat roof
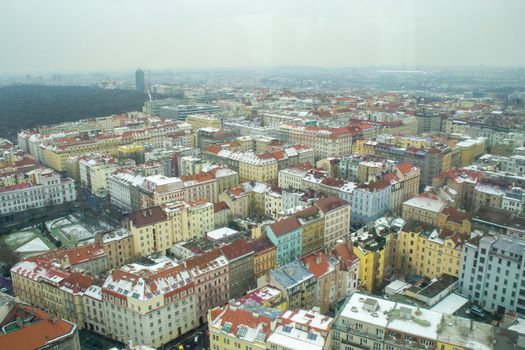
450	304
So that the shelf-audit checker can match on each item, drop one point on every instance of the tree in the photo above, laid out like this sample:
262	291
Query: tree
8	258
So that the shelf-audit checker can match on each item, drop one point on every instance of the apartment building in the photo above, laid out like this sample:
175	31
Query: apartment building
297	283
423	208
239	255
286	236
349	269
94	172
159	189
425	250
491	273
312	229
238	200
232	327
123	190
210	273
44	188
147	304
373	323
27	327
264	256
267	296
40	281
371	250
151	231
336	213
118	245
221	214
326	142
198	121
326	270
370	201
202	185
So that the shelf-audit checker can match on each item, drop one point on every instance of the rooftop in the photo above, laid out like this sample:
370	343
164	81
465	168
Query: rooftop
291	274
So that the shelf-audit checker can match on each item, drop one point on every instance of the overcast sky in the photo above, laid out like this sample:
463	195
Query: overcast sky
73	35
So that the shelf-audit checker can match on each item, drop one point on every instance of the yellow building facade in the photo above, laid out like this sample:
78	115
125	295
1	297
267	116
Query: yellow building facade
422	250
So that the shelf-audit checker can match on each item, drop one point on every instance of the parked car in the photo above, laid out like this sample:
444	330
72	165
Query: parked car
477	311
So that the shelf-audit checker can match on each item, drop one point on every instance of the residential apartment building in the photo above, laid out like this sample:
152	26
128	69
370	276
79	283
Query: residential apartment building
232	327
312	229
370	201
373	323
238	200
95	171
210	273
301	329
151	231
349	269
491	273
43	189
286	236
336	213
264	256
40	281
297	283
239	255
147	304
200	186
371	250
423	208
326	270
326	142
118	245
427	251
221	214
38	329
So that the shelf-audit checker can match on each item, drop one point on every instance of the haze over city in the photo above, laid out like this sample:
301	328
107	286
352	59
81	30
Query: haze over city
68	36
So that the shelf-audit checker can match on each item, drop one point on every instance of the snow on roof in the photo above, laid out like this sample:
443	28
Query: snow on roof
396	286
417	322
221	233
143	282
488	189
450	304
296	339
356	309
426	203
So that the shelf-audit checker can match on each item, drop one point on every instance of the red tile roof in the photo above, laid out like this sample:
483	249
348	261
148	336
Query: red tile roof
148	216
37	334
236	249
330	203
348	258
219	206
261	245
240	317
285	226
317	263
456	215
405	168
202	260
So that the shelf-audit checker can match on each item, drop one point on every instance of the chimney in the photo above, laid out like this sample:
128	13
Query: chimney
318	258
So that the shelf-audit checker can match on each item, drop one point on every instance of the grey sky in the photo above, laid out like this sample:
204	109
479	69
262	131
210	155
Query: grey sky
70	35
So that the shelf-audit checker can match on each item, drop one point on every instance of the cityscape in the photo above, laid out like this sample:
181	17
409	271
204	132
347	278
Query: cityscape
253	206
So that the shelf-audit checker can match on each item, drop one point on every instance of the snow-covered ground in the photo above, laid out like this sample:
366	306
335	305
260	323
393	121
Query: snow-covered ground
34	246
77	232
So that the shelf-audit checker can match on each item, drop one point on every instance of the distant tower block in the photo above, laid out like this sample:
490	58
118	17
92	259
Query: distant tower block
139	80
